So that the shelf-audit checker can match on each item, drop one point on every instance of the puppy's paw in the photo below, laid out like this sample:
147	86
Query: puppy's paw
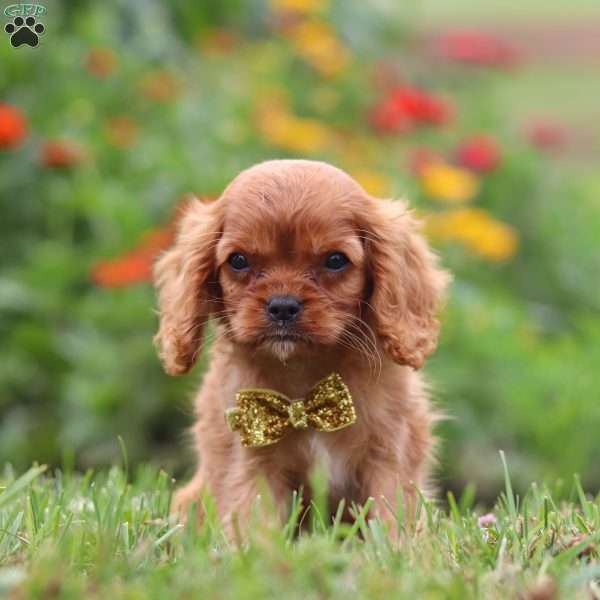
181	505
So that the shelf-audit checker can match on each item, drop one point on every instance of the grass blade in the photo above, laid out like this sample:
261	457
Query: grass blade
13	490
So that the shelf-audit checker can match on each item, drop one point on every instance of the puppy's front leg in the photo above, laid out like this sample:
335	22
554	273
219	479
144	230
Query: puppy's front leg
240	497
186	496
385	483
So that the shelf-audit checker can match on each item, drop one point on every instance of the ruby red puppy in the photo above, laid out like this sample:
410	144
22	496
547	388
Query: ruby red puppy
304	274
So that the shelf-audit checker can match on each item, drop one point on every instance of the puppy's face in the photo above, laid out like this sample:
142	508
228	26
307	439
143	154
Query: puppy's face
291	268
293	257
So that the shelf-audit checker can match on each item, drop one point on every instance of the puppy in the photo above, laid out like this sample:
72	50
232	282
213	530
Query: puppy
304	275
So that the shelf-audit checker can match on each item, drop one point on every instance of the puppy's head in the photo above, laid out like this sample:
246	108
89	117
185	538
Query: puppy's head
294	257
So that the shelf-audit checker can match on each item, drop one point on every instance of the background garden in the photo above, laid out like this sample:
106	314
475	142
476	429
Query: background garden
485	116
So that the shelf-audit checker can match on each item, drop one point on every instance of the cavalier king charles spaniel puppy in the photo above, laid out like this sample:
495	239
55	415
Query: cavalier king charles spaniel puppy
324	301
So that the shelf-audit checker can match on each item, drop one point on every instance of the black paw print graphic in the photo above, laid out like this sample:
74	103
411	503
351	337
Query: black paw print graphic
24	31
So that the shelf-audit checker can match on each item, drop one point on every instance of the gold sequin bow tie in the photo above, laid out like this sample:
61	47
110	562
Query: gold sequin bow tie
263	417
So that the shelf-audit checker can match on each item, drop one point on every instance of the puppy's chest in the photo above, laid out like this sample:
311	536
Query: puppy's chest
330	461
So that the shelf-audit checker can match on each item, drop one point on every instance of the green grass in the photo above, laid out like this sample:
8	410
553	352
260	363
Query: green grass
102	536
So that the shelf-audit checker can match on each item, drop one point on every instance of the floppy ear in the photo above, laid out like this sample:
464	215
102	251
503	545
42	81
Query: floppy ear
186	281
407	285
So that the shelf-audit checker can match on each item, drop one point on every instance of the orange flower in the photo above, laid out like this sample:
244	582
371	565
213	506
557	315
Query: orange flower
121	272
302	7
160	86
218	41
121	131
135	266
61	154
13	127
101	62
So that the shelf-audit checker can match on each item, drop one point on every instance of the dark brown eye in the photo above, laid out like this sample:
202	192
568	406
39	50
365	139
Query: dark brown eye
336	261
238	262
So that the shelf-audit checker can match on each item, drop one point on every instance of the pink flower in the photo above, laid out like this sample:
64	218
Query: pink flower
486	521
546	135
476	48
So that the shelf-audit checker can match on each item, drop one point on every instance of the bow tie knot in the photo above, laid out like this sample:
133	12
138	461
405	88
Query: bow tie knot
297	415
263	417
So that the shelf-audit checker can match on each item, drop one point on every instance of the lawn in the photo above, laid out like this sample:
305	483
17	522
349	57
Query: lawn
102	535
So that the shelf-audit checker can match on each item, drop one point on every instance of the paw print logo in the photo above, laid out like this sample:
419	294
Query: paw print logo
24	31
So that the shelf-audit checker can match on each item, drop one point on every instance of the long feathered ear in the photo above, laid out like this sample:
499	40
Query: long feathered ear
186	282
407	285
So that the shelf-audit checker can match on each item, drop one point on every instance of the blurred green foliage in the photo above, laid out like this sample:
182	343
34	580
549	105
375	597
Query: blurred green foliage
517	365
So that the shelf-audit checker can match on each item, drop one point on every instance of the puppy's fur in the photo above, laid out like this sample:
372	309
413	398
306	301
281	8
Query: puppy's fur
374	322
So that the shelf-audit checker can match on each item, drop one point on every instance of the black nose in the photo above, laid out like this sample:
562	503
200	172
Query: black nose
284	308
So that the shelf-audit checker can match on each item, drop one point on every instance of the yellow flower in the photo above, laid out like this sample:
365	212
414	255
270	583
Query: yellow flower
449	184
374	183
305	135
284	130
303	7
354	149
477	230
318	45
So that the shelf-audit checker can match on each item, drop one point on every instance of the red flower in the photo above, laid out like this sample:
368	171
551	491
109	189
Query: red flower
476	48
422	107
546	135
406	106
480	153
61	154
387	117
13	127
